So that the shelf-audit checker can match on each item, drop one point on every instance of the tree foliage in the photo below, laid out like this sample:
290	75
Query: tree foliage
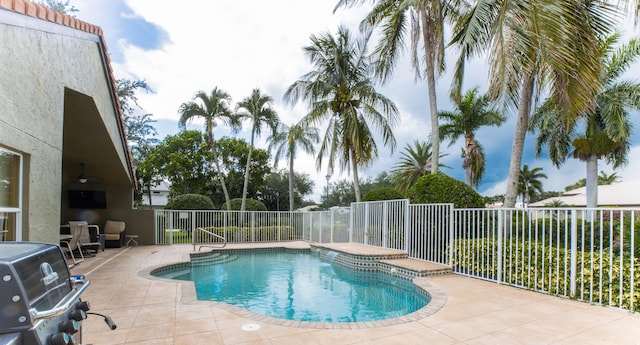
424	23
251	205
415	162
382	193
471	113
140	135
535	47
286	142
275	193
233	153
189	202
340	90
530	183
440	188
58	5
606	124
212	108
185	162
258	111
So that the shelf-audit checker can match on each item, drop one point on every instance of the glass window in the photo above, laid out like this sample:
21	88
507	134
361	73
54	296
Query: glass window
9	179
10	189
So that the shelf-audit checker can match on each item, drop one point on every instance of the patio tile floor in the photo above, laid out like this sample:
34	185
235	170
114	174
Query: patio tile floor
152	311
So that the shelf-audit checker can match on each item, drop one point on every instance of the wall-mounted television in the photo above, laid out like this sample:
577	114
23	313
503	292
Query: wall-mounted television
87	199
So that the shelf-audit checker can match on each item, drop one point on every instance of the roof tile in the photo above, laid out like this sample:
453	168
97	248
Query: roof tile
18	6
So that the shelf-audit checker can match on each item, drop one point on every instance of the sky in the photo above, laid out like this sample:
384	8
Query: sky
241	45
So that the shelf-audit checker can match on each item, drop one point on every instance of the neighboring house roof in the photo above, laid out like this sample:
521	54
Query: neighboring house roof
44	13
623	194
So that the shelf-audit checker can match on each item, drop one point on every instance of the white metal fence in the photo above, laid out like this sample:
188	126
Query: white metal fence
591	255
176	227
588	254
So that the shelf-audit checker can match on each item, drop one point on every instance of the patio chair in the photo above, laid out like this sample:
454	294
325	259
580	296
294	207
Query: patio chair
73	244
87	240
114	233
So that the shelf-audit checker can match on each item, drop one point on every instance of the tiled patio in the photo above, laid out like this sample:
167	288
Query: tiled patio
154	311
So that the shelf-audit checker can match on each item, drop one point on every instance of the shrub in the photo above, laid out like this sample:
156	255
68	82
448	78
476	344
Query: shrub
382	193
440	188
190	202
251	205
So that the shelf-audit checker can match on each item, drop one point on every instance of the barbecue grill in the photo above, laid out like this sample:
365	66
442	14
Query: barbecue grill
39	300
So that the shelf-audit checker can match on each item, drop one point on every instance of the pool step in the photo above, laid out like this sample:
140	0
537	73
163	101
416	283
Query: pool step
183	273
212	259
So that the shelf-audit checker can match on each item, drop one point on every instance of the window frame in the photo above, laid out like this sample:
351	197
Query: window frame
15	211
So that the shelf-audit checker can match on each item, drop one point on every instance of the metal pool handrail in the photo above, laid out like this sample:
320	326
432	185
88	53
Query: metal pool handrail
193	239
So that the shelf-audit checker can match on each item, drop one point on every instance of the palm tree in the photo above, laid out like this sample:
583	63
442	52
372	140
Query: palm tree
415	162
530	183
257	109
534	46
471	113
423	21
340	90
286	143
605	179
211	108
607	126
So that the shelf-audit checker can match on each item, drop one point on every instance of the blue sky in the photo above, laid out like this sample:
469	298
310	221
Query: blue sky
243	44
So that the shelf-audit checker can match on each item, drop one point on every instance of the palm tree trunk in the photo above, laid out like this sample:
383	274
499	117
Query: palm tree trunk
356	180
522	123
592	181
246	176
220	176
291	177
466	163
429	52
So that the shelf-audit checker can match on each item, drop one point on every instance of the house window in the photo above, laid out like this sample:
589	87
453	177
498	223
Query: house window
10	195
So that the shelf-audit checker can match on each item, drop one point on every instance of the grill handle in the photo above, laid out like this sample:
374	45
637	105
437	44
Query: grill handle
64	305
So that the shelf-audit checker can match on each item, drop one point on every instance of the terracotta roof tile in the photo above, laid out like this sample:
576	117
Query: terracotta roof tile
38	11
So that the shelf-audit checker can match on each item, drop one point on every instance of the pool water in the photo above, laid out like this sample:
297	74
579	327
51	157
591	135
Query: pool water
302	287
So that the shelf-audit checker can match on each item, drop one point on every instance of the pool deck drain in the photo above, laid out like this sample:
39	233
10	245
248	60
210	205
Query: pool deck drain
250	327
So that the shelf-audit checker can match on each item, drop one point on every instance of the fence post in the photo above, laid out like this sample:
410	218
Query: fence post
332	223
501	229
351	215
407	227
193	221
452	240
366	223
632	260
170	227
574	252
385	226
156	227
253	226
224	223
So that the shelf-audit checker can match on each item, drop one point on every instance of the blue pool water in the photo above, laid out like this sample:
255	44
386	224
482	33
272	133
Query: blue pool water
300	286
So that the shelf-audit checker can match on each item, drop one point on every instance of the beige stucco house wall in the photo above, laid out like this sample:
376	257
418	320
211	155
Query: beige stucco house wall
59	109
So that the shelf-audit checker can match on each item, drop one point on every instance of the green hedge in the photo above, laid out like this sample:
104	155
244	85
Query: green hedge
534	266
261	233
190	202
382	193
440	188
251	205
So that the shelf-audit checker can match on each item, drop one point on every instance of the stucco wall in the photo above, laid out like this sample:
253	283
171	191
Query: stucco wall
36	64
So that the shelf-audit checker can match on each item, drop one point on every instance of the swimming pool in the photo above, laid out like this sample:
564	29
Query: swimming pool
300	286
